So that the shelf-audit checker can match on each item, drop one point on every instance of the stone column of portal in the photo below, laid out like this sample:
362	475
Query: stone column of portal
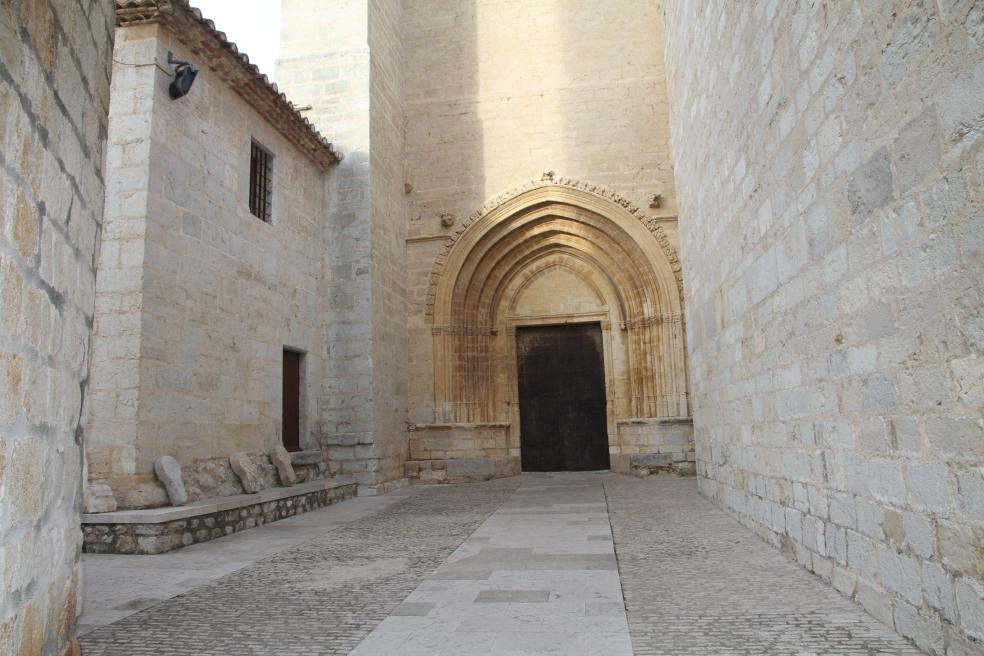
343	58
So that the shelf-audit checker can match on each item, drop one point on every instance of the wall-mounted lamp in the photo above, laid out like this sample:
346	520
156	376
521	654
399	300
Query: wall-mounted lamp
184	77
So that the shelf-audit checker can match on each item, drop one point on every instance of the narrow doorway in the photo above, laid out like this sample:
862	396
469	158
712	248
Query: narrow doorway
562	414
292	400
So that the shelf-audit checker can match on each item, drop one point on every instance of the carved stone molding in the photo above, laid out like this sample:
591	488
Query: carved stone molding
654	320
470	331
552	180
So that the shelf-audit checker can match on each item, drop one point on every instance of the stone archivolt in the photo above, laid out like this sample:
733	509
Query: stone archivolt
557	185
627	274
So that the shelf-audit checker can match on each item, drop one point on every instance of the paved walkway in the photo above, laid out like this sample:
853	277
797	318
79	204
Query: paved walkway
525	565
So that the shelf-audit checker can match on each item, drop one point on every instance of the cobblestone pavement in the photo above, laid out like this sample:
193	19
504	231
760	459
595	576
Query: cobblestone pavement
118	585
697	582
525	565
319	597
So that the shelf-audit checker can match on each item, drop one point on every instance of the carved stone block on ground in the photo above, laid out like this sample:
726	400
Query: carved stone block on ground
99	499
169	472
281	460
246	471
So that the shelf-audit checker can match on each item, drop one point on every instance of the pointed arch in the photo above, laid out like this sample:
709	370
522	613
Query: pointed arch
561	190
607	242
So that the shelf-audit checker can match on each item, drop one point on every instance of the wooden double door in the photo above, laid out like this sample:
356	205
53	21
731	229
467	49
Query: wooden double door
562	406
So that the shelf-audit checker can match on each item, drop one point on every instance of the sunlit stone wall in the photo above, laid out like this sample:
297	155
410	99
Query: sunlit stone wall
830	162
54	96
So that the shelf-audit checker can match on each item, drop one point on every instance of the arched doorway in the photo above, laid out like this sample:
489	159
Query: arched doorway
553	253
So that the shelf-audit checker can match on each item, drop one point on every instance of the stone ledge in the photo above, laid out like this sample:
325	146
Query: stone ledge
382	488
677	463
459	426
148	532
306	457
461	470
213	504
649	421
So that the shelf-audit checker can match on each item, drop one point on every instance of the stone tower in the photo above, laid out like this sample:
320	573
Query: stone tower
485	172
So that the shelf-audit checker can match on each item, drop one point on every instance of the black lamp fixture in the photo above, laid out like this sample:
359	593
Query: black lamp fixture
184	77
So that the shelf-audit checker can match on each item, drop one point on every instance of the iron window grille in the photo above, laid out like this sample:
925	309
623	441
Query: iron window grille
260	181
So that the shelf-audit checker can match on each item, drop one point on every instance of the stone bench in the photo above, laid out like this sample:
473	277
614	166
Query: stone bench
157	530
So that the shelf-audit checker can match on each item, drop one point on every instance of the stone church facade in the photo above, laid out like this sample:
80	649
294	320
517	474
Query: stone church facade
765	218
488	186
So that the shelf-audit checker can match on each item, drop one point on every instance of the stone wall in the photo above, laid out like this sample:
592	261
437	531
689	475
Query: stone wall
344	59
440	109
644	435
458	453
196	296
829	164
499	92
54	96
389	229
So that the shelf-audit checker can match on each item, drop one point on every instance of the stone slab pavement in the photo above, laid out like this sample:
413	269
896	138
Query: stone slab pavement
538	577
586	563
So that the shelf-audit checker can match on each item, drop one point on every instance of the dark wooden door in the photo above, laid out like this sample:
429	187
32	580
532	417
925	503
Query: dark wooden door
563	424
292	400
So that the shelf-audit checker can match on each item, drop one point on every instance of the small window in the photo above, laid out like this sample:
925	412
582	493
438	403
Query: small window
260	181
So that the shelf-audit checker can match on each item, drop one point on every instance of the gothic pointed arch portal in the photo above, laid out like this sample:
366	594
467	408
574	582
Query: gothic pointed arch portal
557	252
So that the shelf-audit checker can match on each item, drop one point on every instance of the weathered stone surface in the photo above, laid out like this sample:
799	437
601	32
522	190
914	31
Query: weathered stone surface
55	60
99	498
168	471
373	210
679	463
459	63
313	457
246	470
166	206
285	470
838	393
128	538
460	470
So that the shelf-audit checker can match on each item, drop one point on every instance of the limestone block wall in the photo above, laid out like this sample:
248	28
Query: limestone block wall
324	62
54	96
829	163
197	296
656	436
450	441
389	230
497	93
344	58
114	379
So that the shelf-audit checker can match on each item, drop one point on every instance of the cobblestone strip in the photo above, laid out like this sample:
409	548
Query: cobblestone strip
321	597
697	582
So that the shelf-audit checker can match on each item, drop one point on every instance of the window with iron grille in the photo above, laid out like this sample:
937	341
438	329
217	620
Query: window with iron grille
260	181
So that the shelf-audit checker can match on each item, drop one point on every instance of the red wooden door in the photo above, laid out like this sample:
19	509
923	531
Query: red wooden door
292	401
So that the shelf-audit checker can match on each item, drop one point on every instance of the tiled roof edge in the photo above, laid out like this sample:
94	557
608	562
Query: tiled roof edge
204	40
